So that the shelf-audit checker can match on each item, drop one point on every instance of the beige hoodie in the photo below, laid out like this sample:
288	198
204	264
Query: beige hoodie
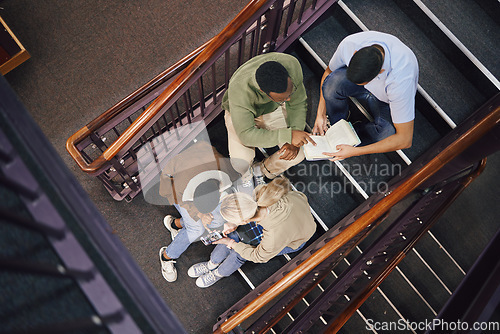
289	223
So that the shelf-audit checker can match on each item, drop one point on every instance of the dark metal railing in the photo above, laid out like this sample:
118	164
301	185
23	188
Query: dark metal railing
75	264
56	241
109	147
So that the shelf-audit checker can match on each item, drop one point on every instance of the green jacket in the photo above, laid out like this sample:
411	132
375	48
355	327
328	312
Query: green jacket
245	101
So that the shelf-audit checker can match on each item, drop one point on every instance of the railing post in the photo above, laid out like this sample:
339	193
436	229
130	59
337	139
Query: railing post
271	27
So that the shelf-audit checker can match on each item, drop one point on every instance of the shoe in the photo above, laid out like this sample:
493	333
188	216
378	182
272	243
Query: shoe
208	279
167	221
245	185
196	270
167	268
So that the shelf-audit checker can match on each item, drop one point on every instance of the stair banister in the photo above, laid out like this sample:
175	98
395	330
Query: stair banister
101	120
477	131
173	90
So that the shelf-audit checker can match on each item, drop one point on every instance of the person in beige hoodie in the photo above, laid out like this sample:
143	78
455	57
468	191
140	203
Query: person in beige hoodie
286	221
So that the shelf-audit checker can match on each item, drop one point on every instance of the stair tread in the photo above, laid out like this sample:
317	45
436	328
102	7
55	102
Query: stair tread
437	75
466	20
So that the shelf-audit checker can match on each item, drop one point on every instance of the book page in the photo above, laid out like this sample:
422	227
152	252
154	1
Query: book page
341	133
316	152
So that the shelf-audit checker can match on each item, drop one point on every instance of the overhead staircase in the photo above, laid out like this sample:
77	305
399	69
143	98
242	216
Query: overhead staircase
376	258
344	196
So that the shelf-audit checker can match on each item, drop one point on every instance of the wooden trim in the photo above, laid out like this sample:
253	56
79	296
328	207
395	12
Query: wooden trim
170	92
453	150
345	316
112	112
16	59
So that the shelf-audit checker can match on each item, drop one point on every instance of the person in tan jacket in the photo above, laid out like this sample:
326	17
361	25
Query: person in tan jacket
193	182
286	221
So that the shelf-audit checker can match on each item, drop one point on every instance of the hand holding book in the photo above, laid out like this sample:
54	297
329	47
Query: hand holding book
340	133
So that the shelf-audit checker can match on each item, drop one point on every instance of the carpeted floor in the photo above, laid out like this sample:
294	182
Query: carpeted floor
85	57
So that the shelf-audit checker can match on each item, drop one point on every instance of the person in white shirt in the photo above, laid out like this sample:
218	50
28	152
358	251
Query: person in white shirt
379	70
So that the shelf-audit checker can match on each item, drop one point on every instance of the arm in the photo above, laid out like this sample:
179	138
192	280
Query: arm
244	124
320	123
261	253
400	140
297	106
256	254
191	209
340	58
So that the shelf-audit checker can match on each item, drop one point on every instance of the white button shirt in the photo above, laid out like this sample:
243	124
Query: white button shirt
397	84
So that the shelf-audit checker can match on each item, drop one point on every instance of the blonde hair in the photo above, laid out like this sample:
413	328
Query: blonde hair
240	207
270	193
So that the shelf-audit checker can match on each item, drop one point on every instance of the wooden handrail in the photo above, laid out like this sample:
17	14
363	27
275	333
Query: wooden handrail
453	150
341	320
139	93
166	96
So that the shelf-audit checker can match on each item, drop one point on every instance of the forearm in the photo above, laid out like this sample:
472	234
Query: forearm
192	210
251	253
389	144
322	105
265	138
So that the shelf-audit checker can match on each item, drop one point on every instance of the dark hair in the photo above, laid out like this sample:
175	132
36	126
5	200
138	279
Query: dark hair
365	65
272	77
206	196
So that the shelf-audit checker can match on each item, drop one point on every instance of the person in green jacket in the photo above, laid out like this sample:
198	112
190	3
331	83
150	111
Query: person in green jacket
265	106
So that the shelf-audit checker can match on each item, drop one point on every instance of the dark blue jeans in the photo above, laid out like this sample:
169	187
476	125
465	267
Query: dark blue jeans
337	89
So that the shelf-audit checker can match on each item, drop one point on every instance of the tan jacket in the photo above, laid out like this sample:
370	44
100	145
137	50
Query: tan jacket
289	223
196	159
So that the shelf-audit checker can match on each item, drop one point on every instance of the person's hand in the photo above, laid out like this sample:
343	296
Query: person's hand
206	219
344	151
300	138
225	241
320	126
229	227
288	151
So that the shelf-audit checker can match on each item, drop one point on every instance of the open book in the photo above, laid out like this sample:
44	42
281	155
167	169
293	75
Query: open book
341	132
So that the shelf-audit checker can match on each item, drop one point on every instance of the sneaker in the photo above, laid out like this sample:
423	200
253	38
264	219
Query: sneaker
199	269
167	221
167	268
208	279
245	186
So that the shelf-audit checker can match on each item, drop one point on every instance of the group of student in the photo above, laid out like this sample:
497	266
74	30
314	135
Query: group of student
266	106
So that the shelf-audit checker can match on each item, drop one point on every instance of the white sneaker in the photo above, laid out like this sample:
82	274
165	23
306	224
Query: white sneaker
167	221
257	175
167	268
245	183
208	279
199	269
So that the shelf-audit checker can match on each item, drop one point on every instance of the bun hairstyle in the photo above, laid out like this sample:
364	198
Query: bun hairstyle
268	194
240	207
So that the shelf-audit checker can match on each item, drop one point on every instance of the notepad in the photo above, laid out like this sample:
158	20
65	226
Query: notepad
339	133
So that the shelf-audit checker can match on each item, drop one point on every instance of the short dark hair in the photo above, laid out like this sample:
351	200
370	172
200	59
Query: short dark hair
365	65
206	196
271	76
